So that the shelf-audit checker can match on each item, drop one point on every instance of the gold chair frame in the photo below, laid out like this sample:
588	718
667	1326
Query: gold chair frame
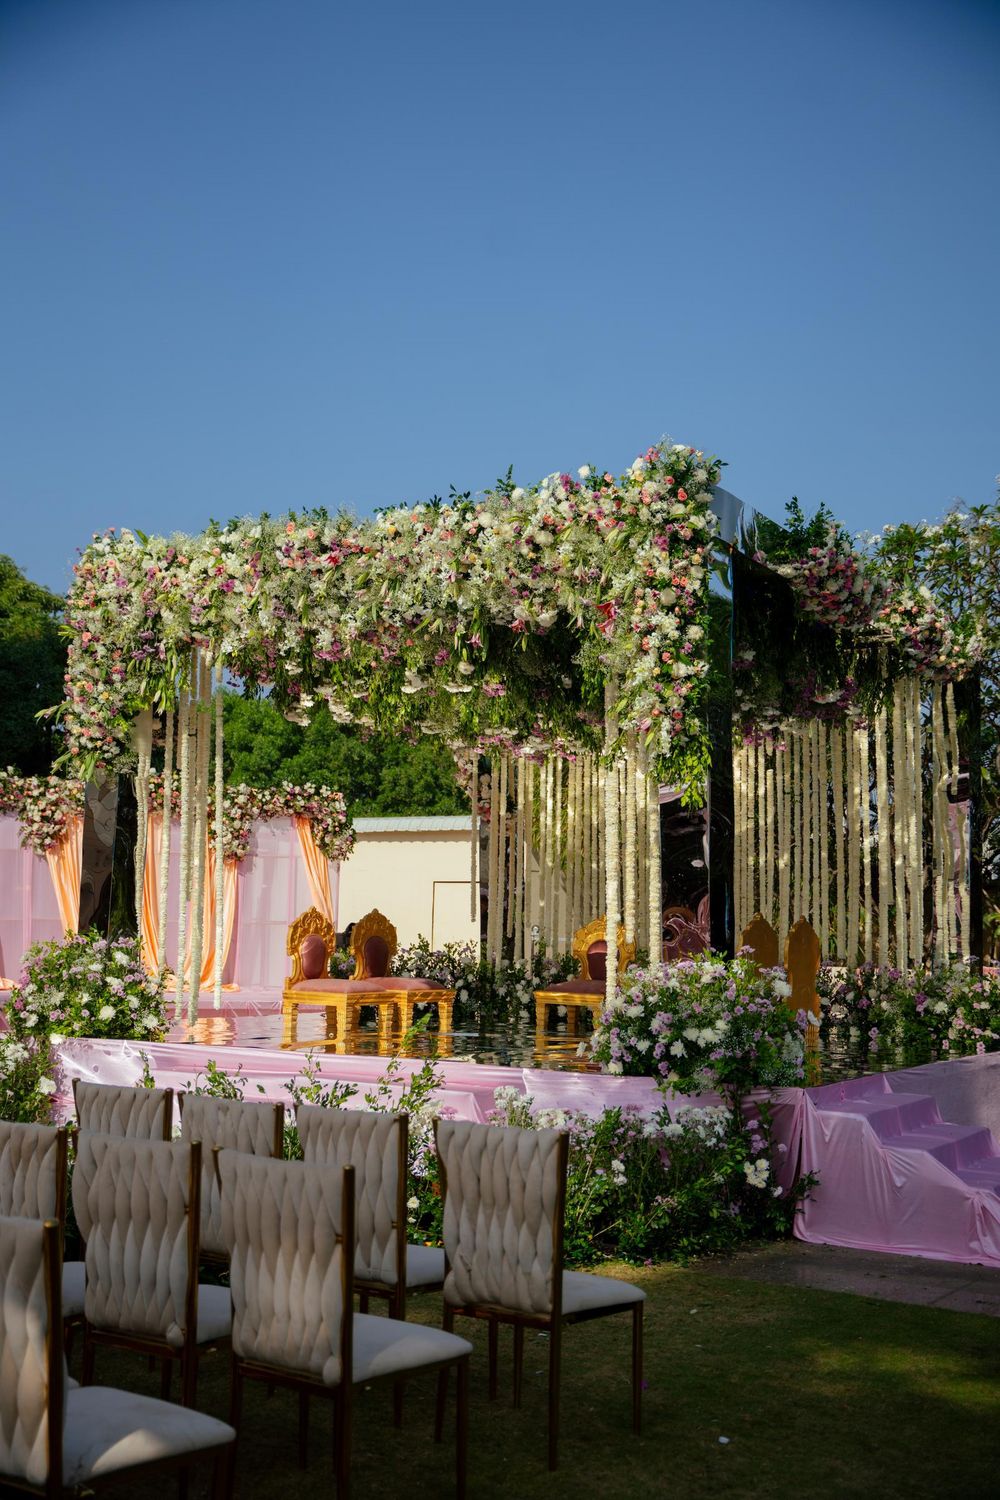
344	1008
594	932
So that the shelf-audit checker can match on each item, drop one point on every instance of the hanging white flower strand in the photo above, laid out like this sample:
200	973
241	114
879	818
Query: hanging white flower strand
184	749
220	867
961	819
630	837
144	763
474	843
900	826
164	887
199	834
612	914
885	954
653	861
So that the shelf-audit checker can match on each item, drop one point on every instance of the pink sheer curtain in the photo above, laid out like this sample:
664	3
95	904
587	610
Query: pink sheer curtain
28	909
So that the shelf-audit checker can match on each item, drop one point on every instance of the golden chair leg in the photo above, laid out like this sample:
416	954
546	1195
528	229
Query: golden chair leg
446	1010
541	1007
289	1023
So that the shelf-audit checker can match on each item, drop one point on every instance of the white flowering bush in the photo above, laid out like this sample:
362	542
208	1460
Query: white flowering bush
26	1081
484	992
664	1188
947	1012
85	985
702	1025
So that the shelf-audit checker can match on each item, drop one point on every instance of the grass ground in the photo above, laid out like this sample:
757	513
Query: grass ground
821	1394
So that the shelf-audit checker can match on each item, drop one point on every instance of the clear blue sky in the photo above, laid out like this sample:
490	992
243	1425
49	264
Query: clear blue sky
266	253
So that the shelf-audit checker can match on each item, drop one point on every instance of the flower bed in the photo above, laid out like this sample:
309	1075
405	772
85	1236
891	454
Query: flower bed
947	1012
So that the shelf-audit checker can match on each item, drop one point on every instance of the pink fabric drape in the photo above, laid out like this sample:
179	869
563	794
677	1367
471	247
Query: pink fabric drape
317	870
65	861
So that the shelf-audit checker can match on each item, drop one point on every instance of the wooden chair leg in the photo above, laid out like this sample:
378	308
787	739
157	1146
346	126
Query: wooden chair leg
362	1302
289	1023
224	1473
462	1429
554	1373
87	1372
342	1441
494	1348
397	1403
166	1376
303	1428
189	1379
448	1324
446	1011
518	1362
540	1015
637	1312
235	1397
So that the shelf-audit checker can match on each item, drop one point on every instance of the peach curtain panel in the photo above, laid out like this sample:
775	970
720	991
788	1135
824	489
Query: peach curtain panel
151	909
317	870
65	861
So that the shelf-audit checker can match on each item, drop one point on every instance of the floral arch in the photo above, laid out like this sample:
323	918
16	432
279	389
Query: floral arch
568	631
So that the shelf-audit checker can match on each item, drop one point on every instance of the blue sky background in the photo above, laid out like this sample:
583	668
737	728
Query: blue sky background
268	253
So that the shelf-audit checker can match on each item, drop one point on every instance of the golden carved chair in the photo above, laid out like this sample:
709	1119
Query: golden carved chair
586	991
311	940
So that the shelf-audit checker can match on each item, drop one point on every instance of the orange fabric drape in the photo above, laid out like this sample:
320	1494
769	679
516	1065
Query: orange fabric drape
151	909
206	979
150	934
317	870
65	861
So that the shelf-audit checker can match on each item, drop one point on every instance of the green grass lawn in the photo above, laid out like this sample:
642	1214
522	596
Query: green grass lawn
821	1394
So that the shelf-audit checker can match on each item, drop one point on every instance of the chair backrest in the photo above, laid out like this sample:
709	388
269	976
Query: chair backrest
137	1205
311	940
504	1200
289	1226
374	1144
374	944
114	1109
250	1125
33	1171
590	949
32	1368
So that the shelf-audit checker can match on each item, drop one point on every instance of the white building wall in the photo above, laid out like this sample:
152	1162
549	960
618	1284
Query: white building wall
416	872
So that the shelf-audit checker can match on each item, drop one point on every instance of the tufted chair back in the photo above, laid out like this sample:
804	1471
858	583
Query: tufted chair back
288	1224
24	1363
113	1109
504	1197
252	1126
32	1171
136	1203
374	1144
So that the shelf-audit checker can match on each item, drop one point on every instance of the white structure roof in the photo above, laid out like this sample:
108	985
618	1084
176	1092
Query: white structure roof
449	824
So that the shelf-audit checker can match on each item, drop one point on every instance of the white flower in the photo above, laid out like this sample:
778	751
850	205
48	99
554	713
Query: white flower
46	1086
584	471
678	1049
782	989
56	1038
413	1204
149	1022
106	1013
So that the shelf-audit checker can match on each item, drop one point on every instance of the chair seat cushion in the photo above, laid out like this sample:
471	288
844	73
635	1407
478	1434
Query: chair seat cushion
392	983
385	1346
107	1430
74	1287
583	1291
589	987
215	1312
424	1266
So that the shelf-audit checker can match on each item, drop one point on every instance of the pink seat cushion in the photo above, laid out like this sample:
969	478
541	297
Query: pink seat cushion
576	987
597	960
376	952
392	982
312	956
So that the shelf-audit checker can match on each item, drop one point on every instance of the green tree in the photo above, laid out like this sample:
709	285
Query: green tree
32	666
379	777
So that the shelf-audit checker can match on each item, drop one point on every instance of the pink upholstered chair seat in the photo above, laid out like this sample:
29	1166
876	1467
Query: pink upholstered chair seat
394	982
576	987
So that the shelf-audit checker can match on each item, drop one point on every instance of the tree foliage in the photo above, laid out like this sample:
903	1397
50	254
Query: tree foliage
379	776
32	665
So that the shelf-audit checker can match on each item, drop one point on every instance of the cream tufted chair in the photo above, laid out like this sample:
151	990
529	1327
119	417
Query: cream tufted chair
33	1186
375	1145
290	1227
236	1124
137	1205
55	1440
114	1109
504	1199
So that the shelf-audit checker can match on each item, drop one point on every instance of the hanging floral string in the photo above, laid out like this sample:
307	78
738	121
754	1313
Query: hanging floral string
220	869
165	836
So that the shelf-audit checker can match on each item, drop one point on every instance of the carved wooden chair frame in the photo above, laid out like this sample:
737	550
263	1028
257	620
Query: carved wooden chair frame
311	923
372	925
595	932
